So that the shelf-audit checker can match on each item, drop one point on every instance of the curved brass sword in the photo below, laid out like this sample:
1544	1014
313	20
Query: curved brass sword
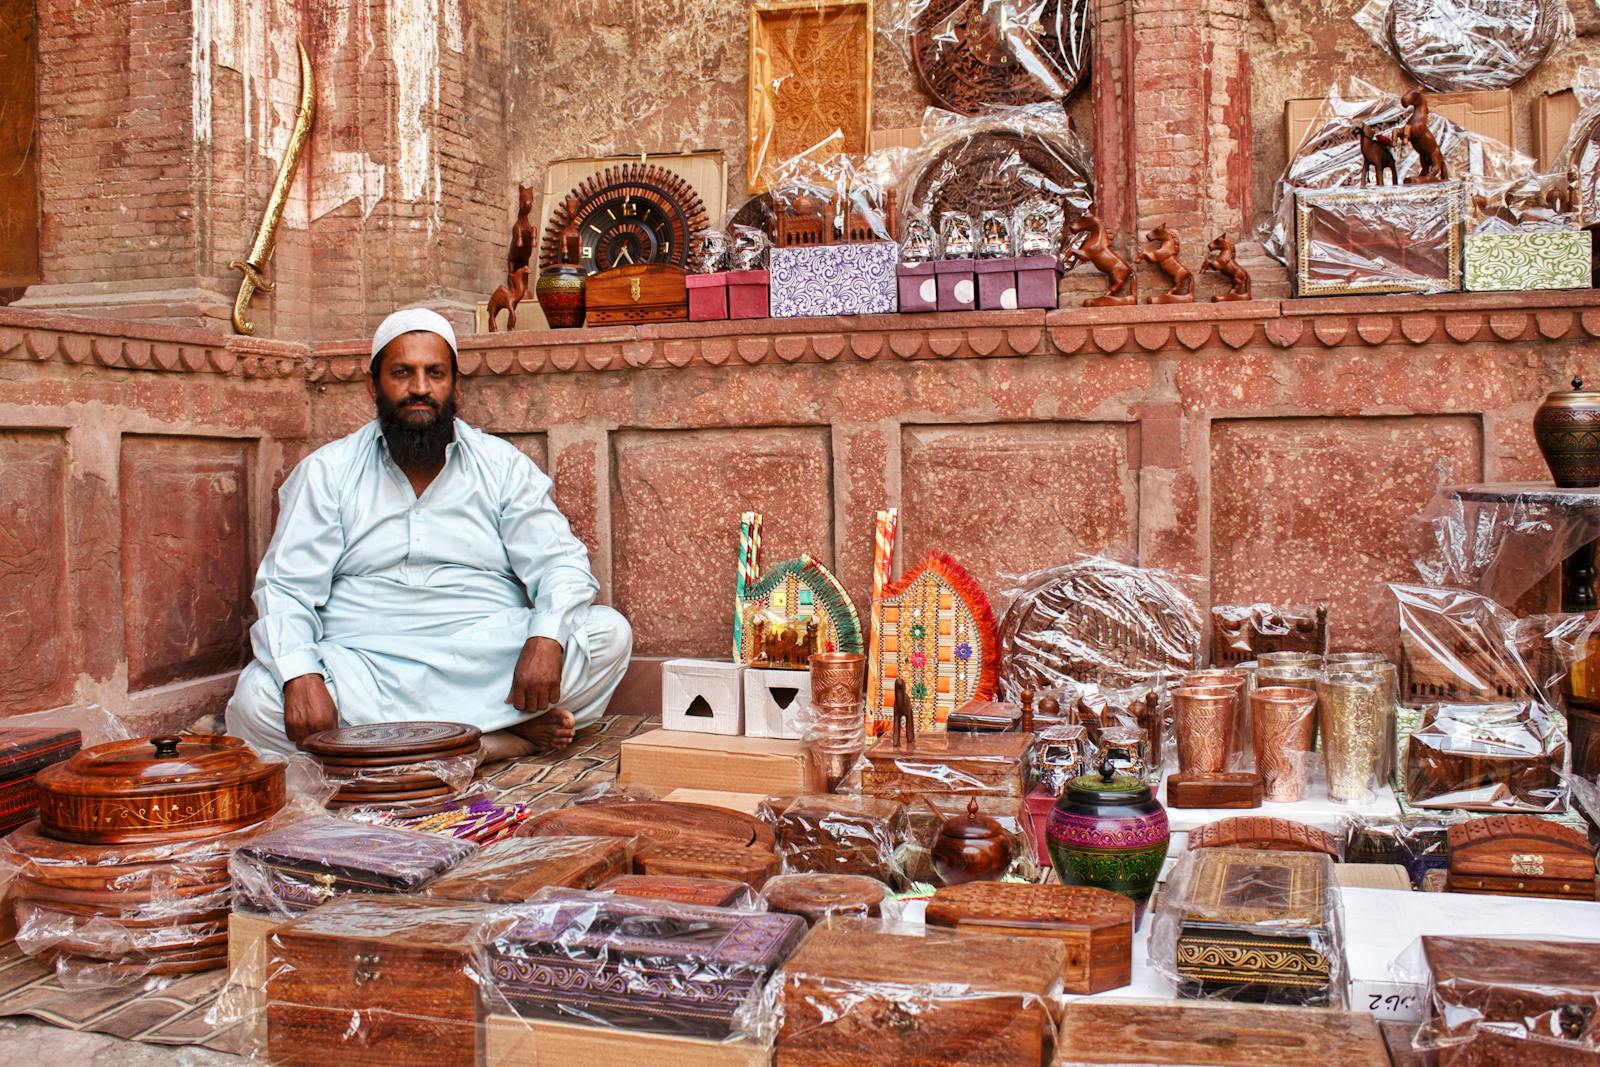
254	266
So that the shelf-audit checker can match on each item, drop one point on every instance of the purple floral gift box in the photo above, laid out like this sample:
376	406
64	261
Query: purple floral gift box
856	279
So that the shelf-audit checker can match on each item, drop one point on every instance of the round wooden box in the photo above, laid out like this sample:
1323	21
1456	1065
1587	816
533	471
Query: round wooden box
158	789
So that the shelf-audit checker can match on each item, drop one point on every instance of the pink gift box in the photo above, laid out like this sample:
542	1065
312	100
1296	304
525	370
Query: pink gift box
1037	282
997	284
957	284
748	294
1024	282
919	289
708	296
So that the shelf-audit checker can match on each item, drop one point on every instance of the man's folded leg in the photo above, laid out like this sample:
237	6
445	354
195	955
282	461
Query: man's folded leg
255	712
593	663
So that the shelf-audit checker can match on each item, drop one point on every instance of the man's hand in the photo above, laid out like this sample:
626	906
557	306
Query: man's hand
536	684
307	707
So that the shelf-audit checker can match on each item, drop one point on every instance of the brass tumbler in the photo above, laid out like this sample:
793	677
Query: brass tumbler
1352	709
1205	720
1283	727
1312	660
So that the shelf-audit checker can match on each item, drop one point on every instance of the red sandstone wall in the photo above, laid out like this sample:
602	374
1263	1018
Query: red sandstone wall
136	471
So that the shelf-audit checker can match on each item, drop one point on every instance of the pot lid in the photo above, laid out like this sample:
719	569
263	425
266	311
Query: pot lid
155	765
1109	786
1577	391
972	825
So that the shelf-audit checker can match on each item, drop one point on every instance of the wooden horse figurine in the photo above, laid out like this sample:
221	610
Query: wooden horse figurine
1376	156
902	710
518	256
1220	259
1165	256
1415	132
1096	249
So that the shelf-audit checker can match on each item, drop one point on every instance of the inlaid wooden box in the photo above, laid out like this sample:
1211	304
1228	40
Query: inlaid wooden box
1095	926
752	865
856	993
390	982
1117	1033
1511	1003
509	872
514	1042
962	764
841	834
1382	239
1521	855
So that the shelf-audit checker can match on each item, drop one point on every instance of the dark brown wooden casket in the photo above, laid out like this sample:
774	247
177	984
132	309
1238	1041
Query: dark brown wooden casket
24	752
854	993
702	892
509	872
982	764
658	822
1094	925
1484	757
1265	833
390	982
638	964
1521	855
646	292
815	897
1111	1033
1229	789
693	859
841	834
1501	1002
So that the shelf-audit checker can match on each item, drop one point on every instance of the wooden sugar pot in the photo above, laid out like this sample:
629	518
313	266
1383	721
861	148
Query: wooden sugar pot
971	848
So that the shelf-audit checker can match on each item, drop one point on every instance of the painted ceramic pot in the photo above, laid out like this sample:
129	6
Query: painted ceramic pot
561	295
1109	831
1567	428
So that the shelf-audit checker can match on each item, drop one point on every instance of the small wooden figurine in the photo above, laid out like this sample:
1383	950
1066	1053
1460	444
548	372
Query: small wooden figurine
1376	156
1096	250
1165	256
1026	725
518	255
902	710
1220	259
1415	132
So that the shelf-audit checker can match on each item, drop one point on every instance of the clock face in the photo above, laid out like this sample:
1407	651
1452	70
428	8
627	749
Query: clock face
625	215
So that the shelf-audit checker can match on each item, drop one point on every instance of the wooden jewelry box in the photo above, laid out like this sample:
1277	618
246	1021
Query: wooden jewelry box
1485	757
750	864
1257	926
24	752
702	892
1501	1002
1521	855
857	993
1094	925
638	964
841	834
509	872
389	982
1106	1033
986	764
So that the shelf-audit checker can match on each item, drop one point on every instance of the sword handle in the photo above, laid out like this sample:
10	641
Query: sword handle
253	279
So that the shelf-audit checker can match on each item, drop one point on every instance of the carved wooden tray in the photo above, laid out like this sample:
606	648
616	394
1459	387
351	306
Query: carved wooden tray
1455	46
655	822
973	54
1000	170
810	75
391	740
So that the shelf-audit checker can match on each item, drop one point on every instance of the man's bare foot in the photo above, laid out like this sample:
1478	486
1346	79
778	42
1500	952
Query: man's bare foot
548	733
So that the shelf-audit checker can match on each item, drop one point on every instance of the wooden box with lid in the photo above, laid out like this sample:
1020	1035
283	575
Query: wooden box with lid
703	892
1166	1034
858	992
983	764
1094	925
24	752
1496	1002
1521	855
387	982
507	872
749	864
841	834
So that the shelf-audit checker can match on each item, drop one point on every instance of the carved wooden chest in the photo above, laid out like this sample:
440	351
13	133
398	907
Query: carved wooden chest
750	864
1094	925
1257	926
841	834
1511	1003
986	764
1521	855
24	752
389	982
509	872
638	964
1104	1033
855	993
702	892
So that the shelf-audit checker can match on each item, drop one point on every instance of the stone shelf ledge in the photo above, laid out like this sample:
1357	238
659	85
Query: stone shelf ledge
126	344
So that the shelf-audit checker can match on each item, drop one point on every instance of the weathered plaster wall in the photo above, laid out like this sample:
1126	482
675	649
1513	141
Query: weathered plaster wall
1298	48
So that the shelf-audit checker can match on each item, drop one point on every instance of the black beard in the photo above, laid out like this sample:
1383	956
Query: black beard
417	447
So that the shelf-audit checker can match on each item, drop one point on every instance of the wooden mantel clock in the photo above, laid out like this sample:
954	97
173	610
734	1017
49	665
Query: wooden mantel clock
626	215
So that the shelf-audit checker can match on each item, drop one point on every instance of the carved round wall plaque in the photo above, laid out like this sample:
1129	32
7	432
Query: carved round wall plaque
972	54
1000	170
1461	45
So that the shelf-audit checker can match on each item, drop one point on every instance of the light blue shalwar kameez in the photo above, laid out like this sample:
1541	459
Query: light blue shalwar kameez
418	607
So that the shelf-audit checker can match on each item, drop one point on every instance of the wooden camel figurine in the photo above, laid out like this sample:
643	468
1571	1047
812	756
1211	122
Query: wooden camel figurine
1096	249
518	257
1220	259
1165	256
902	710
1376	156
1415	132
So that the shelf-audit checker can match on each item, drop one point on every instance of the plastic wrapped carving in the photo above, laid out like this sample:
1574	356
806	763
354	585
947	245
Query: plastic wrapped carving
970	55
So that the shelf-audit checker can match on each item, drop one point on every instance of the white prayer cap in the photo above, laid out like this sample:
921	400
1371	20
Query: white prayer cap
411	320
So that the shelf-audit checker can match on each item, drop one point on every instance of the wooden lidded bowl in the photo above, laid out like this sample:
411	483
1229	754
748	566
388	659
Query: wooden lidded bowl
155	789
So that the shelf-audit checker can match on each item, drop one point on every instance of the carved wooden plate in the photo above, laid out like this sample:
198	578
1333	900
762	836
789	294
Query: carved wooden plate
413	740
1455	46
810	76
970	55
1000	170
655	822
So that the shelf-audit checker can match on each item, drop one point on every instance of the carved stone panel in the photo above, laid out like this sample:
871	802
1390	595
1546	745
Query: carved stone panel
34	614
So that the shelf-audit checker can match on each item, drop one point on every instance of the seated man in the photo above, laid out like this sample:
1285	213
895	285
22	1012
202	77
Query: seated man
420	571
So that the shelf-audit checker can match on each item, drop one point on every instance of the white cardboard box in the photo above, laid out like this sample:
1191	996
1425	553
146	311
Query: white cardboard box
702	696
1313	809
774	701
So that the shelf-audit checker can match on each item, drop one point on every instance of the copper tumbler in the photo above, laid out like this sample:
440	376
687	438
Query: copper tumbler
1205	718
1239	682
1311	660
1283	726
838	677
